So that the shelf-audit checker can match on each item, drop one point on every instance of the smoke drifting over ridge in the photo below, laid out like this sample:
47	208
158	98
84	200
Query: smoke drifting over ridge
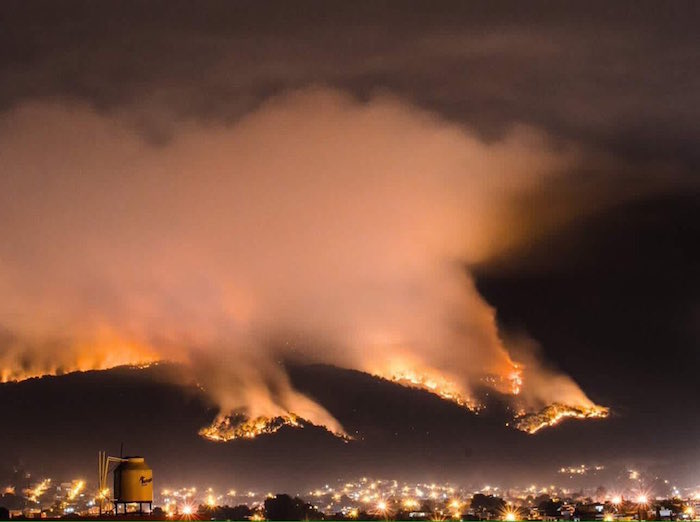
315	229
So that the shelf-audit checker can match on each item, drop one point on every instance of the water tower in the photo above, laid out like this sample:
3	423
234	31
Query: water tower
133	482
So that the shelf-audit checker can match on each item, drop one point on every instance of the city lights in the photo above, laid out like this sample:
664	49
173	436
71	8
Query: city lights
373	499
37	491
76	489
510	514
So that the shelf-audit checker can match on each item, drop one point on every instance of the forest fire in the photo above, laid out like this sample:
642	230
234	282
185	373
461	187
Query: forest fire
437	385
100	356
219	309
230	427
554	413
510	384
225	428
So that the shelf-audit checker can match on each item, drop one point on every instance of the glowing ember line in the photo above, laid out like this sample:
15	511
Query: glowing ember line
440	387
555	413
510	383
8	375
225	428
230	427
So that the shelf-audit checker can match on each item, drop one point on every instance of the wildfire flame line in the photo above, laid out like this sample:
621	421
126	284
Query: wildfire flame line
555	413
230	427
225	428
442	388
529	422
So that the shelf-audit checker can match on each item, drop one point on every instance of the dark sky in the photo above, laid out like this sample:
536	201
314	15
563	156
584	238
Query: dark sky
619	75
608	287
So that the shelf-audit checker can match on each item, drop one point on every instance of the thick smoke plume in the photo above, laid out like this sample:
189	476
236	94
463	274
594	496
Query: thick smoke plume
316	229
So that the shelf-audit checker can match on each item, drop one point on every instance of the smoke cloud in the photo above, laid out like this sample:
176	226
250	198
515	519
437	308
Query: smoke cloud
314	229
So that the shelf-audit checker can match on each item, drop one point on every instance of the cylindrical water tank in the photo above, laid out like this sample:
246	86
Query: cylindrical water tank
133	481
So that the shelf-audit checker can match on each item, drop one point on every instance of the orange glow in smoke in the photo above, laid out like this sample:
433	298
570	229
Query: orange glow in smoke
103	351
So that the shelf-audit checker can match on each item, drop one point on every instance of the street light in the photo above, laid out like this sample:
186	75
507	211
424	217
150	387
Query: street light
642	500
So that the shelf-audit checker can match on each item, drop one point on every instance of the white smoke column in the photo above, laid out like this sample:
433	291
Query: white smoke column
316	228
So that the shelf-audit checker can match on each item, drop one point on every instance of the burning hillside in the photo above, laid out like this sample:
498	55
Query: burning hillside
555	413
344	241
225	428
229	427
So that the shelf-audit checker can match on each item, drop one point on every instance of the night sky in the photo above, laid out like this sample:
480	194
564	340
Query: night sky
578	124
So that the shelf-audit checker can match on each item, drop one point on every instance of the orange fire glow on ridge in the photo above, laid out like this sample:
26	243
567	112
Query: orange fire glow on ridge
225	428
102	352
440	386
511	382
555	413
8	376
